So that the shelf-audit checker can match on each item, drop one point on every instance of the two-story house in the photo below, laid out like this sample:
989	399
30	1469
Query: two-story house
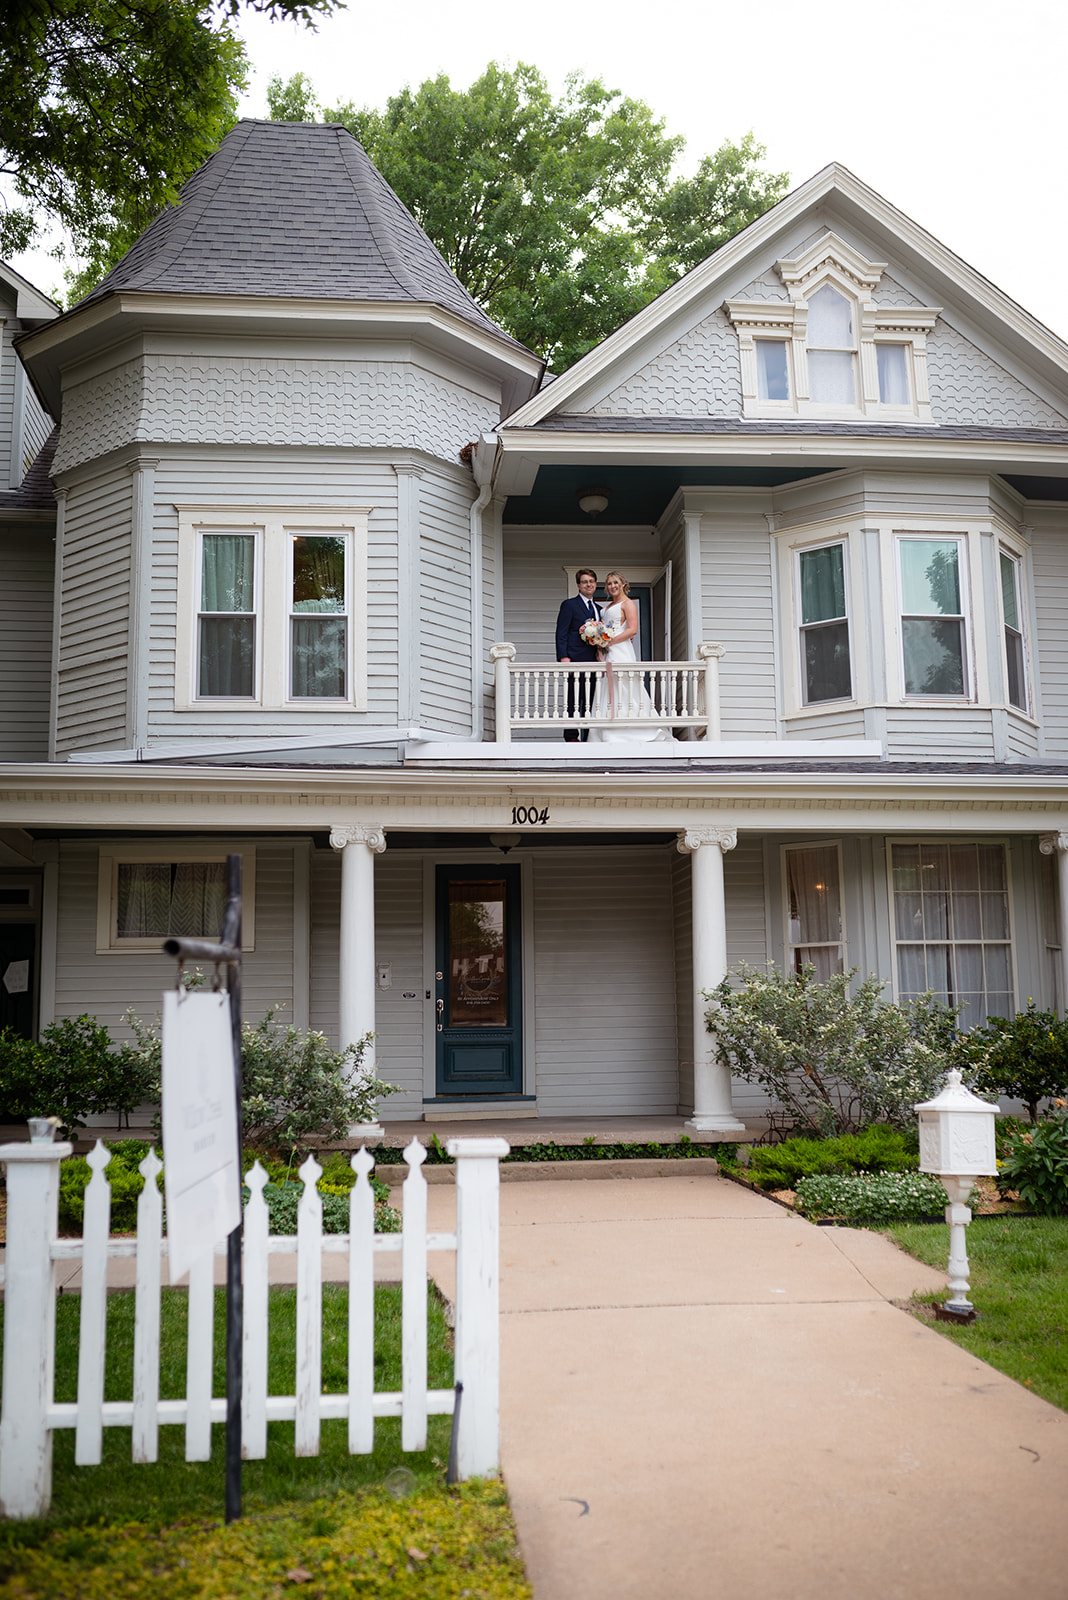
315	514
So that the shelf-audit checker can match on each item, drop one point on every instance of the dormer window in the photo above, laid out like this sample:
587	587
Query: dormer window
830	350
831	345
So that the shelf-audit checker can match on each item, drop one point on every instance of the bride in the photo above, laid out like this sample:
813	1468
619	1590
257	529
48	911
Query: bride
628	693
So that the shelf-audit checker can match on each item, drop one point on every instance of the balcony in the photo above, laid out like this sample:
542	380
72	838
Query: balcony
533	696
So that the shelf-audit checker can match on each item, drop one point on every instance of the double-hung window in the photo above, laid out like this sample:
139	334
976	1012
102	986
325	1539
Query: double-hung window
815	934
1012	622
272	609
147	894
824	624
933	619
951	926
832	379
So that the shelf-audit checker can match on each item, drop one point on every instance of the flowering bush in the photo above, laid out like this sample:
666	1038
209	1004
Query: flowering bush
837	1061
871	1196
1036	1166
294	1082
1024	1057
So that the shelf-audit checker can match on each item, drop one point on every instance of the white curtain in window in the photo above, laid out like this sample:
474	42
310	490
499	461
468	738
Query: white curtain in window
893	374
161	899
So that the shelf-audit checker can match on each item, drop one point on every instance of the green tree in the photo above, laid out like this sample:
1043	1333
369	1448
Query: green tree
562	217
107	106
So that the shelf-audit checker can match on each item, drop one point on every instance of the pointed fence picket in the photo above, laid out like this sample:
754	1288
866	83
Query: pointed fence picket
30	1413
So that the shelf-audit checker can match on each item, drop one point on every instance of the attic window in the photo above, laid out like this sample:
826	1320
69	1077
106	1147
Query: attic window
830	350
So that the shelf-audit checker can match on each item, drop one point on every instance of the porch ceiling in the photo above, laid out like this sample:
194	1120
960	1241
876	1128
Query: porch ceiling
639	494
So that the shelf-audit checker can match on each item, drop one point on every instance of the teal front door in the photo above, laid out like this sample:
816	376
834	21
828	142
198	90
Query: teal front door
479	982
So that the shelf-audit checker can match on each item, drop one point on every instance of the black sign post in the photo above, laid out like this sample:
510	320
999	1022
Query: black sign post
228	953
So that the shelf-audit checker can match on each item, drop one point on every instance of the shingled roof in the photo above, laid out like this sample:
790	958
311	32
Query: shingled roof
294	210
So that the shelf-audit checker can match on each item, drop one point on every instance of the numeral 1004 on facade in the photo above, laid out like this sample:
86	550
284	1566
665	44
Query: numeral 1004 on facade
525	815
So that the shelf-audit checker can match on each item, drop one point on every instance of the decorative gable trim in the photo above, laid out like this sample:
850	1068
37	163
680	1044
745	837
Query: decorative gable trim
830	261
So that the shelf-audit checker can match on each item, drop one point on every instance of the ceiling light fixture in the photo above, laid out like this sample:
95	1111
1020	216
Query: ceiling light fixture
594	501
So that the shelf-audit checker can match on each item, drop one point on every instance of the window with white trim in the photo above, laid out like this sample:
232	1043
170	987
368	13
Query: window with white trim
147	894
812	891
823	624
934	624
272	609
951	920
830	349
1012	615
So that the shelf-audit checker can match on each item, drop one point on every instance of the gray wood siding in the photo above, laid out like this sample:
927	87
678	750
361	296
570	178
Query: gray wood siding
604	987
289	479
36	427
107	985
8	329
960	733
674	550
682	911
844	724
95	614
325	950
1051	610
1023	739
445	604
737	609
747	938
27	558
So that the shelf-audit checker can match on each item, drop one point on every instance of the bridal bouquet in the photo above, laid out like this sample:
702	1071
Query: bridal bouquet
596	633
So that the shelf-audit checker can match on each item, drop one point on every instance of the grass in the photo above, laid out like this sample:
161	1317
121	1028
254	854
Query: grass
332	1516
1019	1287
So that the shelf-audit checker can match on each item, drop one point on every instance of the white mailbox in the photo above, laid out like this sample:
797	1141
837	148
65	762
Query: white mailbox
957	1133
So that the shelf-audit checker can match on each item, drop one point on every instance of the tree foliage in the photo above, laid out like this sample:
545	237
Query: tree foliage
561	216
107	106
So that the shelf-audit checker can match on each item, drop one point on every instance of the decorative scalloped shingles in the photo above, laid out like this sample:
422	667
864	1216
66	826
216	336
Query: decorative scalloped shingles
769	286
699	375
192	399
888	292
969	387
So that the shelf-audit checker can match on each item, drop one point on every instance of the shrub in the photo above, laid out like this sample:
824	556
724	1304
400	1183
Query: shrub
837	1061
122	1174
1036	1166
294	1084
72	1072
877	1149
1024	1057
284	1198
871	1196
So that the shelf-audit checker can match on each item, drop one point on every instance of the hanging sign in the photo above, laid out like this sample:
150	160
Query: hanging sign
201	1175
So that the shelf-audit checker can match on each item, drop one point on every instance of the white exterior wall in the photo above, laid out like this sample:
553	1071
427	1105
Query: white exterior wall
26	560
95	614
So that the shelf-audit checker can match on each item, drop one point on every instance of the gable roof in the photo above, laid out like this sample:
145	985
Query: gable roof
292	210
841	197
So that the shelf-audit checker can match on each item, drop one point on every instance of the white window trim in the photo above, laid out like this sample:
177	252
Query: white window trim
788	947
792	543
970	583
944	838
1018	555
831	261
107	897
274	527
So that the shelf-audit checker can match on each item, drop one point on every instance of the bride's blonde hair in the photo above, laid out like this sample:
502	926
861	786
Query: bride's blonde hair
624	585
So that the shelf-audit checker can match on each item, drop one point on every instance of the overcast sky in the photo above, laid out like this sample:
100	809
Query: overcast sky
954	112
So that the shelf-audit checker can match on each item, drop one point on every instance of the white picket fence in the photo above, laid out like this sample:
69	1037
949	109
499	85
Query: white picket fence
30	1412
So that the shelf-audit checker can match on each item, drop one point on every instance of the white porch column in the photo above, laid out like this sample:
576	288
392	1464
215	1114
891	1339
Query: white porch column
1057	844
712	1108
359	845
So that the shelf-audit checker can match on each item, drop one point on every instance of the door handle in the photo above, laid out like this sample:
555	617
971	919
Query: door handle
441	1013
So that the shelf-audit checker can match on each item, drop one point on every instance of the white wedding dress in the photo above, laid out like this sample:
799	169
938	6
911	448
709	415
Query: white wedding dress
629	693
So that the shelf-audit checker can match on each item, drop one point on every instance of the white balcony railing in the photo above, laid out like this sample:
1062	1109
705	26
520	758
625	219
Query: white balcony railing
639	694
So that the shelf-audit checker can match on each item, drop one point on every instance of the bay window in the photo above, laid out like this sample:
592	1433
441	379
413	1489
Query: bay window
272	609
933	631
824	625
1012	623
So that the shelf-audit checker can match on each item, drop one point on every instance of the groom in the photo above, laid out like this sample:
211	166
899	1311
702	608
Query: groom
571	646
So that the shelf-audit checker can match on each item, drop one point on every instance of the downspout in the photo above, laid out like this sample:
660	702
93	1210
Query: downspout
483	463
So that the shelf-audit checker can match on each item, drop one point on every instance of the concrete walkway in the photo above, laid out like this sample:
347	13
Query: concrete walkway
704	1395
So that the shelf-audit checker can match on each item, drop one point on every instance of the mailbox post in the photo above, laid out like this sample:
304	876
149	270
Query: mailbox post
957	1146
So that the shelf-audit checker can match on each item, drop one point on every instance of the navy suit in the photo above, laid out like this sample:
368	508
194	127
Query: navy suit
570	643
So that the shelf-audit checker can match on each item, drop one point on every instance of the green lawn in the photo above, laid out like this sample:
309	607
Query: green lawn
1019	1287
123	1530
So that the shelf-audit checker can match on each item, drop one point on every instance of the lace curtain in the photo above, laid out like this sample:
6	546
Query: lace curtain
161	899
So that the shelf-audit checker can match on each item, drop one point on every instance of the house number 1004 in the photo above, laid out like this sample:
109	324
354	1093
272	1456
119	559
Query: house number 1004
525	815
